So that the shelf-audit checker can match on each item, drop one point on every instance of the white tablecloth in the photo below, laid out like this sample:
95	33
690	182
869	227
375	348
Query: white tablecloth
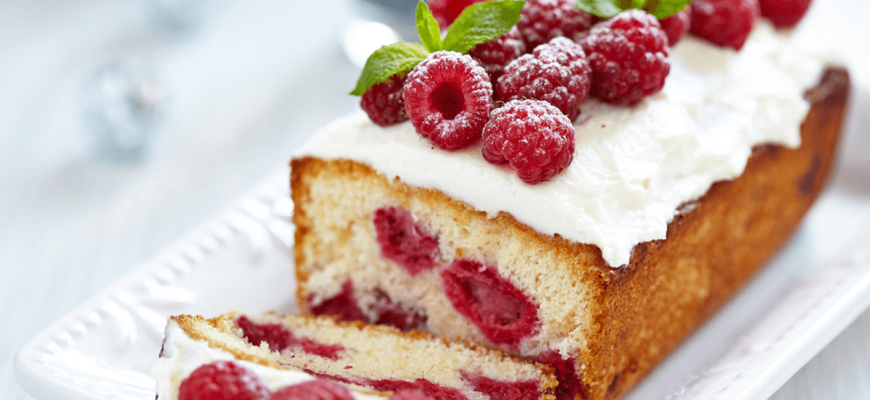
253	83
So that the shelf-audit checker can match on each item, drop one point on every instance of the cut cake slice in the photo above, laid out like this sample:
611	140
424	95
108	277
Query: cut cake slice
371	360
376	249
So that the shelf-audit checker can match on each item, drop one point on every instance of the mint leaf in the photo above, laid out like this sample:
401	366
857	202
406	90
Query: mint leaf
603	8
386	62
428	29
482	22
662	9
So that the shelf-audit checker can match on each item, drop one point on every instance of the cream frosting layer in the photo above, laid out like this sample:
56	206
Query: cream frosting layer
633	166
182	355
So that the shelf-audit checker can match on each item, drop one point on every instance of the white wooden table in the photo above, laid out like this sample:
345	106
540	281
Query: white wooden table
248	88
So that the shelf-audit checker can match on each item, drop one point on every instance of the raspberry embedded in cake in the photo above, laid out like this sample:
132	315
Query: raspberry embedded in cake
343	305
448	98
725	23
543	20
318	389
629	57
222	380
378	360
502	390
556	72
404	241
395	314
532	136
570	383
279	339
410	395
503	313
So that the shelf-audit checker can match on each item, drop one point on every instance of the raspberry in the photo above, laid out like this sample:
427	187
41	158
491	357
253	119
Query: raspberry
319	389
222	380
384	102
448	98
629	57
495	54
404	241
533	136
677	25
279	338
542	20
409	395
503	313
725	23
394	314
570	383
503	390
343	305
557	72
446	11
784	13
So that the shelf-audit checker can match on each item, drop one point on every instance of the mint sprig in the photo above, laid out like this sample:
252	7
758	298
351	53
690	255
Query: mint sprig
660	9
478	23
428	29
482	22
386	62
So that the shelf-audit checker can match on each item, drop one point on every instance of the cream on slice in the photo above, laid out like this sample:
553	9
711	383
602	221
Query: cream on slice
183	354
376	360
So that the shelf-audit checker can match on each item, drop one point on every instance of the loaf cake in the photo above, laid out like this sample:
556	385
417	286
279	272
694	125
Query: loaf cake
373	361
668	208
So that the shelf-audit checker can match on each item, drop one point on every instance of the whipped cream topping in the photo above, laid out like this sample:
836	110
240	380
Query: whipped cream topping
633	166
182	355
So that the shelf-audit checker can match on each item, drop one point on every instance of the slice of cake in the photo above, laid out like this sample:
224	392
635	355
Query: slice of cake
667	209
279	353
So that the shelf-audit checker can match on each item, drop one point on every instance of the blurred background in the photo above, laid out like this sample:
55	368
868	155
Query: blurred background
125	123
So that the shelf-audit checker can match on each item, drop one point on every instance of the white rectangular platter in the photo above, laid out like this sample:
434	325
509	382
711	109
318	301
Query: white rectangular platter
242	258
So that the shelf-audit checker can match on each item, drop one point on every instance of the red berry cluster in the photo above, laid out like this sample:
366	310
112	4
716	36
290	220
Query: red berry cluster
449	97
226	380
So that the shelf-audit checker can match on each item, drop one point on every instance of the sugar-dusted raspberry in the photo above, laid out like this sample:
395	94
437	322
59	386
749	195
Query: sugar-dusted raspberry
405	241
629	57
725	23
557	72
784	13
495	54
504	314
384	102
448	98
533	136
344	305
446	11
677	25
542	20
320	389
410	395
222	380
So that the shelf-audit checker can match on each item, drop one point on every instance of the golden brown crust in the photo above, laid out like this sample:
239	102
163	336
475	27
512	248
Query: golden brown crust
673	285
639	313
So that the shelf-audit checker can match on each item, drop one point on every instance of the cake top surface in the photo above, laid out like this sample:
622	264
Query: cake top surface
633	166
